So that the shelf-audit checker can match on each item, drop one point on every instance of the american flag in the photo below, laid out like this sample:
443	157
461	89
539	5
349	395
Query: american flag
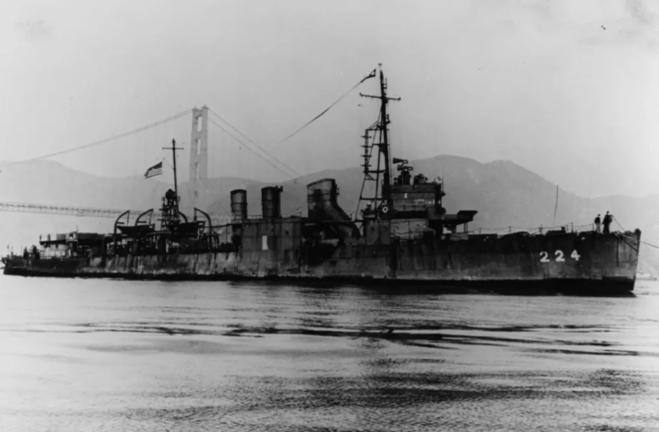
153	171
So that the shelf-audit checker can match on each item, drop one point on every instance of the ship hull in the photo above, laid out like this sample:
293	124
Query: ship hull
605	285
580	262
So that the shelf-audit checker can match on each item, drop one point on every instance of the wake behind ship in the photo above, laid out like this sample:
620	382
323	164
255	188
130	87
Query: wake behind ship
401	233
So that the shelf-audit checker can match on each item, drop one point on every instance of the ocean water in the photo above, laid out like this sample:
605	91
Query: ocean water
109	355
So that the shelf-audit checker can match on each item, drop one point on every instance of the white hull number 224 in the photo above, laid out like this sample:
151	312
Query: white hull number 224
544	256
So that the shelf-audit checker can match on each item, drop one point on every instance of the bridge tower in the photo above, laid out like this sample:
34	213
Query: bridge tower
198	151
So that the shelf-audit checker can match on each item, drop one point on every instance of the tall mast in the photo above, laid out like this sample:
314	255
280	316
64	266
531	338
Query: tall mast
385	137
381	141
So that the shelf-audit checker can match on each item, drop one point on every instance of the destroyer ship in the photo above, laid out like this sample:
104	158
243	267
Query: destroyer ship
401	234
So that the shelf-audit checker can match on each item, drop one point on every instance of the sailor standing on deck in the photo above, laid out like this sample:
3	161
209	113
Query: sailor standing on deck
607	222
598	221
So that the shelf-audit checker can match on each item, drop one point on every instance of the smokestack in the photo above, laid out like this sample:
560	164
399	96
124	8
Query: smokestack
321	195
322	203
239	204
271	202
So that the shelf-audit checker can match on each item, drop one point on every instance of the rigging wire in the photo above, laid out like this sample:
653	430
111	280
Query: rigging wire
371	75
649	244
252	150
258	146
107	140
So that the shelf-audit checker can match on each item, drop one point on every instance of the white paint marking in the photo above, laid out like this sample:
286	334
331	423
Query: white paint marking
543	257
575	255
559	256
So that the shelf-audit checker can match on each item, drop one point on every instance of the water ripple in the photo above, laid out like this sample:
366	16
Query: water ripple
113	355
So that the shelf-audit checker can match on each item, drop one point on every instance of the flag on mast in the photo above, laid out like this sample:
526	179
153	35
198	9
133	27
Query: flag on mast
154	170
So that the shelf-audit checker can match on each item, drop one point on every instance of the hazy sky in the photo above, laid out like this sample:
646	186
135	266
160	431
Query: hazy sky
568	89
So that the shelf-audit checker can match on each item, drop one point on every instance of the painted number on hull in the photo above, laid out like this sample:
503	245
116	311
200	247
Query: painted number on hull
560	257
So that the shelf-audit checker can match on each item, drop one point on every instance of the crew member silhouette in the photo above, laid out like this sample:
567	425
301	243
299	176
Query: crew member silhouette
607	222
598	222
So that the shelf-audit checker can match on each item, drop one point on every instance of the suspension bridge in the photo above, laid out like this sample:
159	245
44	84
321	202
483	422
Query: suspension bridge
201	121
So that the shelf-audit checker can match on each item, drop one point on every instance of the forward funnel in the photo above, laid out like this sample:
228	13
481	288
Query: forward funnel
239	204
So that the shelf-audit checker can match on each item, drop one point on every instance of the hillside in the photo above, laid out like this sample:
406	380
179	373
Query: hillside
48	182
504	194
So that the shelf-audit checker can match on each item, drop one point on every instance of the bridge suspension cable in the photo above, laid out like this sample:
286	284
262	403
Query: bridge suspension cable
187	111
255	144
287	174
107	140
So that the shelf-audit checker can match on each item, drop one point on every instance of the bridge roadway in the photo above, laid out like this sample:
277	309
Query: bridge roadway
87	211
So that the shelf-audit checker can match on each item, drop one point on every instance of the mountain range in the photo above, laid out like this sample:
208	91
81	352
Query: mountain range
506	196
